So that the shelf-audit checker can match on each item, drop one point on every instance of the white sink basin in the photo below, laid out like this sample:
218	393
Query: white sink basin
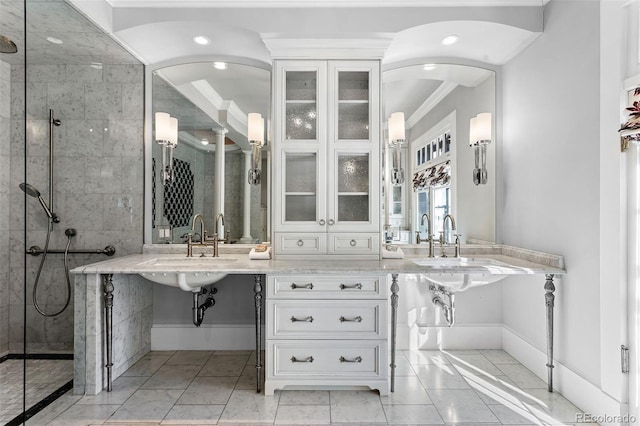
458	274
179	272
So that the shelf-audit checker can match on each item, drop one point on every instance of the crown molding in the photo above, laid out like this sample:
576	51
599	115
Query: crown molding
327	48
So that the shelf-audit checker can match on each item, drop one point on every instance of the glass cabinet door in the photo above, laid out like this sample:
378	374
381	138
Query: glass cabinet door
353	105
353	187
300	197
301	105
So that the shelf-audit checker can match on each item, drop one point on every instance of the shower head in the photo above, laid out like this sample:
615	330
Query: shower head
7	46
33	192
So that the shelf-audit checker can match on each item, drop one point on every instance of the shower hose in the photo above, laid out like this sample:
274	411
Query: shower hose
69	233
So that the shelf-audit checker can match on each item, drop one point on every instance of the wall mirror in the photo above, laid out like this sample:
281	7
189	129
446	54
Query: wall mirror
440	172
211	102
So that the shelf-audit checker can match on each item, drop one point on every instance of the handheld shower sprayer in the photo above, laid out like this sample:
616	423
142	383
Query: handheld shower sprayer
33	192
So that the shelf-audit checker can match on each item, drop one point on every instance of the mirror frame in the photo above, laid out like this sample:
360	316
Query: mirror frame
148	133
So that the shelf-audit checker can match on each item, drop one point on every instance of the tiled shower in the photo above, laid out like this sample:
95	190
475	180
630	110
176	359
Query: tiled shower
96	90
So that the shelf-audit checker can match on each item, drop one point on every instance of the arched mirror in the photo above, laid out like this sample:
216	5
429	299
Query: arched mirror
210	103
446	169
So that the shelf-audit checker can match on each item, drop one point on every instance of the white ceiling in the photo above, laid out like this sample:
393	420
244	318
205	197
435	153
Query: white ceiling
155	31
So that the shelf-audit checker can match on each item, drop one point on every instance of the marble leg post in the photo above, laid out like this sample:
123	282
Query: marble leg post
108	315
257	290
549	297
394	325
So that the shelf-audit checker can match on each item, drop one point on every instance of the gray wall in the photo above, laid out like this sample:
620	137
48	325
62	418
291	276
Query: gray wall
98	177
550	167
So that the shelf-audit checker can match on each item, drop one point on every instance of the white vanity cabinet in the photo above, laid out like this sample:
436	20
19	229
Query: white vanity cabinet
326	331
326	158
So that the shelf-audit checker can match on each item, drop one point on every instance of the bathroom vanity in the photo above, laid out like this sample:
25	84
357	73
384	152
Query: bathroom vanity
326	320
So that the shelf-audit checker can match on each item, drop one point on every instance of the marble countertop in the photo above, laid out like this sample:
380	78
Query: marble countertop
500	259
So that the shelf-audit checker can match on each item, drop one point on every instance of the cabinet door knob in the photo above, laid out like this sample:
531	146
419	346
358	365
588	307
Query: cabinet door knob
321	222
352	243
356	359
295	286
307	319
307	359
300	243
356	319
331	222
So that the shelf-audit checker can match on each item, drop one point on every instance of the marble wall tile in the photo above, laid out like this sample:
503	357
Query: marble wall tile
66	99
5	135
103	100
46	73
124	139
132	100
123	73
4	329
84	73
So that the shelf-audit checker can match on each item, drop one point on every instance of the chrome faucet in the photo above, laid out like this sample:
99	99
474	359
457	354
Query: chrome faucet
429	238
443	240
216	240
203	235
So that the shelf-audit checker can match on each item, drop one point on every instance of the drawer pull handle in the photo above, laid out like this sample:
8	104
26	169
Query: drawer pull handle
352	243
356	359
300	243
356	319
307	359
307	319
357	286
295	286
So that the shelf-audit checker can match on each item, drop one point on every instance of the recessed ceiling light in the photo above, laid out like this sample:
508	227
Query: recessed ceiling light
96	65
450	39
204	141
220	65
201	40
54	40
429	67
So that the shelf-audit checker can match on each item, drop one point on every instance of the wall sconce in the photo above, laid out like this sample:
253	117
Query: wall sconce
479	138
255	134
167	137
396	139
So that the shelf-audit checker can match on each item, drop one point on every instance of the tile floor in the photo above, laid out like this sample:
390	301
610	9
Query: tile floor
432	388
44	376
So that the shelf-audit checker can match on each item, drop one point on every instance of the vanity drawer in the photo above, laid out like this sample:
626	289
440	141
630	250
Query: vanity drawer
354	243
336	319
326	287
322	359
300	243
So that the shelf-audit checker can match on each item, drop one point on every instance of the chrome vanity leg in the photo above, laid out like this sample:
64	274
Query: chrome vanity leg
394	325
257	290
108	314
549	288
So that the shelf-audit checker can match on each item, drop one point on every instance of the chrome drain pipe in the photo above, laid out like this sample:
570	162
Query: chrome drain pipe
448	306
199	309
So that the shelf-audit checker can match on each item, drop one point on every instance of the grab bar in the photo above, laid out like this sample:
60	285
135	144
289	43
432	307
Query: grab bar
108	250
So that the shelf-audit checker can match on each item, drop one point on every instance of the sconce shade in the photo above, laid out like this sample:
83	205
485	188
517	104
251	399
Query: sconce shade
473	130
163	127
480	129
173	131
484	126
396	128
255	128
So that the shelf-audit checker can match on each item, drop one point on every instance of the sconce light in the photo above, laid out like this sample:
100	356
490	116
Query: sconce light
167	136
255	134
479	138
396	139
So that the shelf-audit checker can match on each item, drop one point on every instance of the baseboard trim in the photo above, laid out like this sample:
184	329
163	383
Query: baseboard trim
582	393
213	337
